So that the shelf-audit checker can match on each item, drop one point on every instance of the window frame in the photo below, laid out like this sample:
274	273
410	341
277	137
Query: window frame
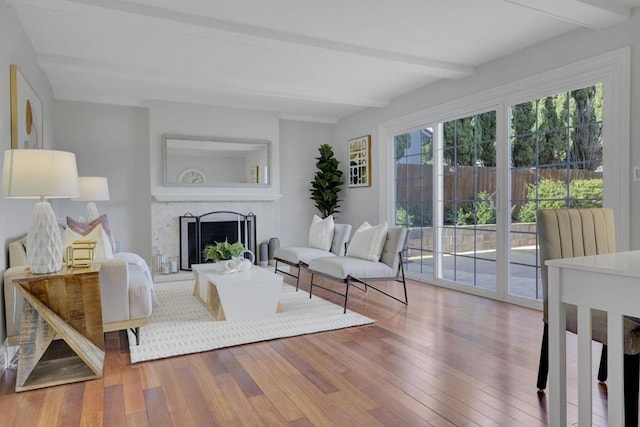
612	69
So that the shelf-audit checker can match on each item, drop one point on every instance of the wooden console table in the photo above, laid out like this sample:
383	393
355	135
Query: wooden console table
67	305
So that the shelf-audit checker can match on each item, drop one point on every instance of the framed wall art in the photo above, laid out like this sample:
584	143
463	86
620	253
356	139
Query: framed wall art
360	161
26	112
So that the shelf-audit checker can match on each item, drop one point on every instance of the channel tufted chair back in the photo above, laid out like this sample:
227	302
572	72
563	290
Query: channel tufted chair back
570	233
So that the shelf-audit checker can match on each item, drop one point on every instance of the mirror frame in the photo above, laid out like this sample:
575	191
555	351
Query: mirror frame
166	138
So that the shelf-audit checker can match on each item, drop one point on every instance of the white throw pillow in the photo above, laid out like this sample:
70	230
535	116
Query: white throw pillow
321	232
103	248
82	227
367	242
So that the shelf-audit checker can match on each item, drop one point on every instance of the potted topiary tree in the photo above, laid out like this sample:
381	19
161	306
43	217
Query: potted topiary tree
327	182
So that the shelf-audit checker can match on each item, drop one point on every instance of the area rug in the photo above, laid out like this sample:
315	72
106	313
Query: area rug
180	324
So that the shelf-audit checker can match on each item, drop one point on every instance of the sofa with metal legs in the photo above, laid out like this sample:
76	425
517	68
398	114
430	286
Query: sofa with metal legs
361	273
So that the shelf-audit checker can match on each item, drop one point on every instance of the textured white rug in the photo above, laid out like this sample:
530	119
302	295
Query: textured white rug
180	324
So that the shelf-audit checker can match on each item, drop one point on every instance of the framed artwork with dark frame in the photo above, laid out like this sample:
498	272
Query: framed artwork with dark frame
26	112
360	161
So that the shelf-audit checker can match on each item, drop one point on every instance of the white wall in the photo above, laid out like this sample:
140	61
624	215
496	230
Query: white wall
15	48
113	142
364	203
208	121
299	142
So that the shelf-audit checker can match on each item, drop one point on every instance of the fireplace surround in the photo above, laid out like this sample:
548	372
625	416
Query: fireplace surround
196	232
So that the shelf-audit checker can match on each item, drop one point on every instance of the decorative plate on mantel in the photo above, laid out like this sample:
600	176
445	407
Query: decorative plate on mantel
191	176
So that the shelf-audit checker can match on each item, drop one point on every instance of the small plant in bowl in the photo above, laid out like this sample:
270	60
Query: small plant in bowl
222	251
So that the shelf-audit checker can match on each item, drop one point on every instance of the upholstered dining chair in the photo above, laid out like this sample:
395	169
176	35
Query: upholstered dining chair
568	233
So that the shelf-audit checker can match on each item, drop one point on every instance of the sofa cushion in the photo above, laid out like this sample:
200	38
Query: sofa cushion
367	242
341	267
321	232
294	255
18	252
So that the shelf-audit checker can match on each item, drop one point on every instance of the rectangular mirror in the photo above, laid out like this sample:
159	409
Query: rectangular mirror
215	161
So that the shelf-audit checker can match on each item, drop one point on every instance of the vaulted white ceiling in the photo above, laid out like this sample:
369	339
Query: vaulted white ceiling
306	59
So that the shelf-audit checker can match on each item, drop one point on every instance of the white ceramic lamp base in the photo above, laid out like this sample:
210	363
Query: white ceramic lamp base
92	211
44	243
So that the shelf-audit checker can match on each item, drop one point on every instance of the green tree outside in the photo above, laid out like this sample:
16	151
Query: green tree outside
563	131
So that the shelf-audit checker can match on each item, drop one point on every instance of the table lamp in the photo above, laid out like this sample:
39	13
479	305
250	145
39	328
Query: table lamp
93	189
41	174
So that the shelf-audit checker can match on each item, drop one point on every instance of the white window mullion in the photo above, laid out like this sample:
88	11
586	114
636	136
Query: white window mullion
503	208
438	205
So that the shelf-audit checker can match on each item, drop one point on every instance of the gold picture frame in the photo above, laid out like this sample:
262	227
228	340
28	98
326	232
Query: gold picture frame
26	112
360	161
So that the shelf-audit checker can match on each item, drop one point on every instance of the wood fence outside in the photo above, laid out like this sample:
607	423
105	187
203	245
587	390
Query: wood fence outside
414	182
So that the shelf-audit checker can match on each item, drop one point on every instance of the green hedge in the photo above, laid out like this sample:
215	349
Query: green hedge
481	211
552	194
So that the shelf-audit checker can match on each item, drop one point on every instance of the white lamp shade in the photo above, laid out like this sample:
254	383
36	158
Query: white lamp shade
33	174
93	189
41	174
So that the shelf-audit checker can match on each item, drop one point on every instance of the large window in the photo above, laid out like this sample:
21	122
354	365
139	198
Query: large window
556	162
468	185
468	212
413	161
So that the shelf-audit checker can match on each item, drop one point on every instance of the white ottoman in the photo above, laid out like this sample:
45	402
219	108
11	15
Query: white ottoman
248	294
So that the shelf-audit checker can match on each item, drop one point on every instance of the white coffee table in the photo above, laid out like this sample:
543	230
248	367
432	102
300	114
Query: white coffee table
252	293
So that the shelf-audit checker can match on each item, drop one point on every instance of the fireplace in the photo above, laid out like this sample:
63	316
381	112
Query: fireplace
196	232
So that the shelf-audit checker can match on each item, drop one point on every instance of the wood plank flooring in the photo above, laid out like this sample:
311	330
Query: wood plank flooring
447	358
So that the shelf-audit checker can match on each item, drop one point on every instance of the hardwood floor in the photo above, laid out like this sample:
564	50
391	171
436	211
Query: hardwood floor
445	359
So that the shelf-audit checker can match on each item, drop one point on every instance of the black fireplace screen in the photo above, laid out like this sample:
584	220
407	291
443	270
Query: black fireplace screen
196	232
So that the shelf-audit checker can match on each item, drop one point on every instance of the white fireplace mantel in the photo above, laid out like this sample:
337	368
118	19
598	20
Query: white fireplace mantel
238	197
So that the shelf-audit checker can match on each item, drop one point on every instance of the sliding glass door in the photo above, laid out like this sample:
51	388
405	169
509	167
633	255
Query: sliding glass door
447	181
414	178
556	162
452	236
467	208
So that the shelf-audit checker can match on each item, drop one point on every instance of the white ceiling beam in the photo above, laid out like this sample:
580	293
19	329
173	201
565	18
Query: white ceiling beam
286	40
308	118
594	14
212	83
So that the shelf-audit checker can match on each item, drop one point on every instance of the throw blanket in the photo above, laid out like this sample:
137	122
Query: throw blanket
136	259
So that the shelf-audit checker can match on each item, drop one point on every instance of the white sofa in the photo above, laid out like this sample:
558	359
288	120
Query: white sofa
300	256
126	287
352	270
